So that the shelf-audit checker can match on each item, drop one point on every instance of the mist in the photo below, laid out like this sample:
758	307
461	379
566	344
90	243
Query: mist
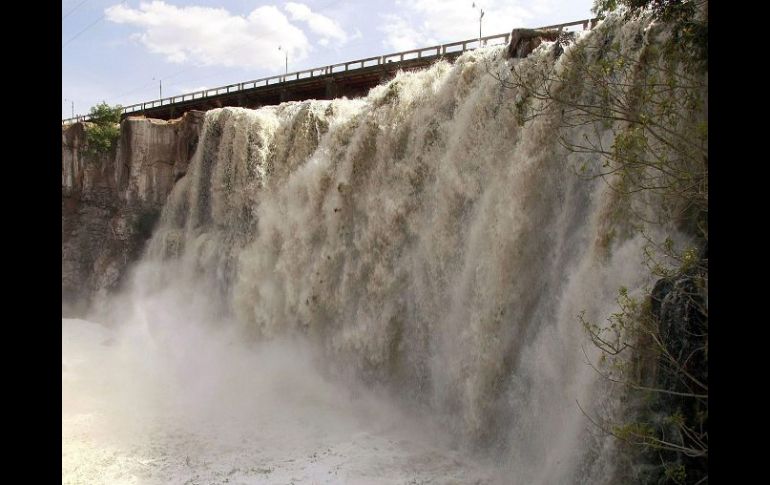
179	399
377	290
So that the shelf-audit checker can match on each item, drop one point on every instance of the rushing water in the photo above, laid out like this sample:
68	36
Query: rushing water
378	290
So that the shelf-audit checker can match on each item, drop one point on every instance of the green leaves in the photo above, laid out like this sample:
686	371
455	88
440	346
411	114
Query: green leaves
103	113
603	7
104	128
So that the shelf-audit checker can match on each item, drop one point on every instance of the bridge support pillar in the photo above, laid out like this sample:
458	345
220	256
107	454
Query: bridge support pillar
284	95
385	76
331	89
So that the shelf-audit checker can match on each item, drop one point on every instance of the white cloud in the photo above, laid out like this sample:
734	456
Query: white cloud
213	36
400	35
319	24
428	22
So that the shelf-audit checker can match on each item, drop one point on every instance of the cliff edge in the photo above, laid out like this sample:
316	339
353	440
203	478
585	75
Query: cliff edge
110	201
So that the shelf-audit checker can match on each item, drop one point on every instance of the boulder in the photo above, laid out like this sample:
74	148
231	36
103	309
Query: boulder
524	41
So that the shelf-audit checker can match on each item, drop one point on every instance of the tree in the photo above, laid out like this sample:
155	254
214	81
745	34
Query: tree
635	110
104	128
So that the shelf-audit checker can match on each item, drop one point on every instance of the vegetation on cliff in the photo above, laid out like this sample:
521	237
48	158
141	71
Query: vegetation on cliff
647	89
103	130
656	346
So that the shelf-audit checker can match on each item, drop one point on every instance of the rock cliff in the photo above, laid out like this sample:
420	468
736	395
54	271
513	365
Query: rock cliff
110	201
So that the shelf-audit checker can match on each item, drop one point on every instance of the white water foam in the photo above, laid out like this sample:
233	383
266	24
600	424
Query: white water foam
381	290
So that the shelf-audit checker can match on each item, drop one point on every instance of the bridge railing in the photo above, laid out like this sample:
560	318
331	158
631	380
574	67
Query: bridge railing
452	48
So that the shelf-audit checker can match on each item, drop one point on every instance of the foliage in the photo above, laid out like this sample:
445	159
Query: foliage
103	113
654	105
689	30
656	348
104	129
666	10
635	114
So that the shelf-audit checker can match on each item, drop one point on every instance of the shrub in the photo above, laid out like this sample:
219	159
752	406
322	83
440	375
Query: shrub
104	129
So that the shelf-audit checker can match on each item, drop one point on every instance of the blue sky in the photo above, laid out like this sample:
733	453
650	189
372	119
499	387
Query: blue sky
119	51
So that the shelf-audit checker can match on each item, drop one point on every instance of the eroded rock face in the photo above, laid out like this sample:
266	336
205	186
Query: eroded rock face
110	201
524	41
680	308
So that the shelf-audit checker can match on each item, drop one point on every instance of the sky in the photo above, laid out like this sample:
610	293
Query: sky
128	52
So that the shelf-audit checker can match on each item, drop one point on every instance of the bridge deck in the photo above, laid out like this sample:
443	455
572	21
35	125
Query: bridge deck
352	78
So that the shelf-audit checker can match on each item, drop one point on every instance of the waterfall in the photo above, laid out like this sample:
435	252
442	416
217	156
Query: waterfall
429	246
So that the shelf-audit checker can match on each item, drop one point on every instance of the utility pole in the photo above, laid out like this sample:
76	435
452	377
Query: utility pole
481	15
160	88
73	106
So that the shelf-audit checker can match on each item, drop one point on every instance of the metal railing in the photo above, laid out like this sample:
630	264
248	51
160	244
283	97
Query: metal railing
453	48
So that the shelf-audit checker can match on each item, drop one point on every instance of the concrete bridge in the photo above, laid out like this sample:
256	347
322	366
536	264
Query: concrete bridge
351	79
